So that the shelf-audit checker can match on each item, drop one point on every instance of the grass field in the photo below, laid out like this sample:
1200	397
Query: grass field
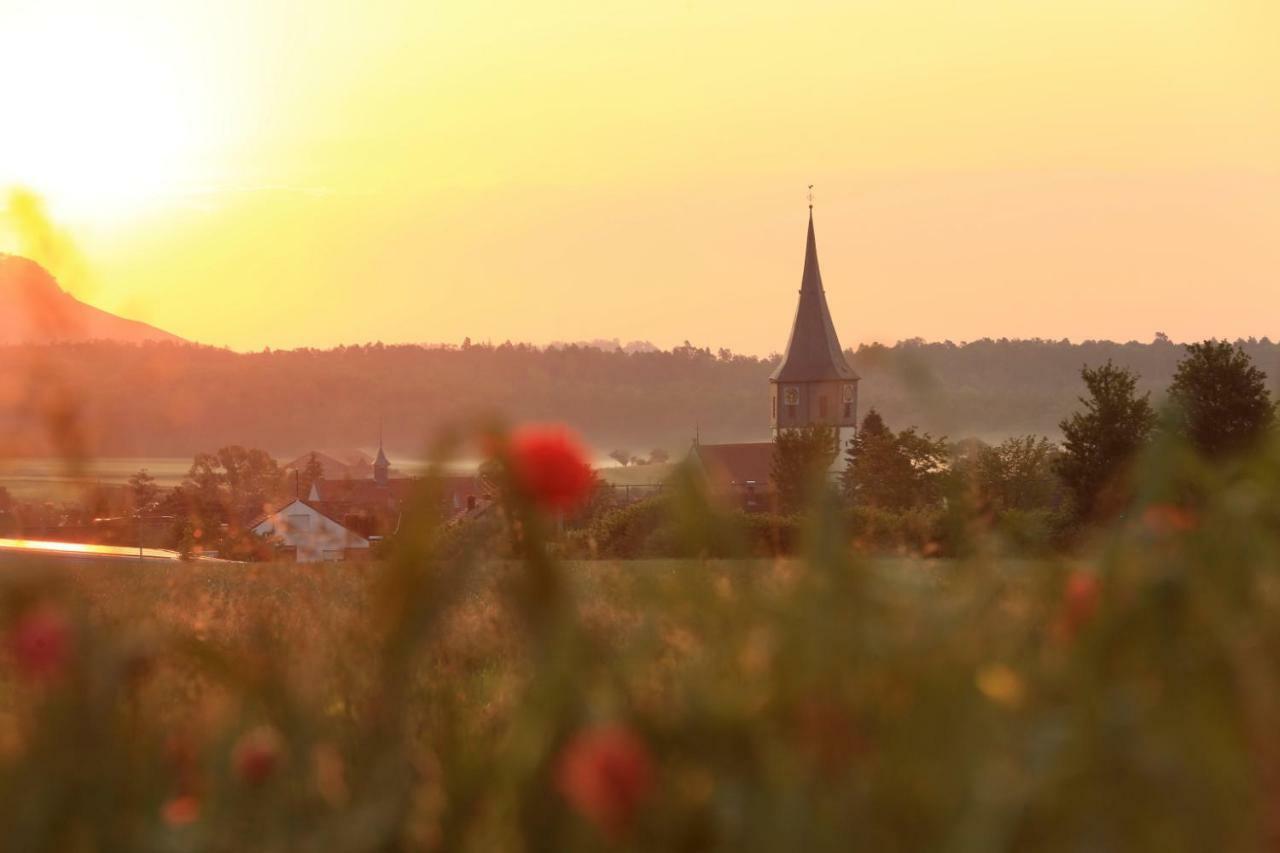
474	693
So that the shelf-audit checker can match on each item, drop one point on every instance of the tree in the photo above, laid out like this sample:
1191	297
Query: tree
622	457
801	458
1100	442
1220	401
312	471
238	481
658	456
893	471
144	489
1018	474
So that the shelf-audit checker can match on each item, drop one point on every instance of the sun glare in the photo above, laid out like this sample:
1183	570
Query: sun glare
104	128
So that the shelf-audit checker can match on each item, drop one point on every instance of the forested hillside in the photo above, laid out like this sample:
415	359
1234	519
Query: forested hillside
173	399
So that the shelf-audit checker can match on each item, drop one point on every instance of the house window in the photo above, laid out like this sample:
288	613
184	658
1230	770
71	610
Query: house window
773	406
791	397
822	405
848	410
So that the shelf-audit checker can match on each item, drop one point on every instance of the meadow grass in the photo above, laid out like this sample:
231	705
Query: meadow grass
481	695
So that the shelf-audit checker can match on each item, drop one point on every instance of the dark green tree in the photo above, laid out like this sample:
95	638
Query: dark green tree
235	483
1018	473
1220	401
801	458
1100	442
894	471
312	471
144	489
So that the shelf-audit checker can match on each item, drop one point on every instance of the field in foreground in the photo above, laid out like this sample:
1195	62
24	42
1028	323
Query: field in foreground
481	695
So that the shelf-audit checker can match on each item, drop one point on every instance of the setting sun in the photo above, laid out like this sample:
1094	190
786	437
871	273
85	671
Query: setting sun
104	120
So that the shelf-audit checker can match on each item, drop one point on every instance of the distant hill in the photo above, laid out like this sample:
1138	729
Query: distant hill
35	310
161	399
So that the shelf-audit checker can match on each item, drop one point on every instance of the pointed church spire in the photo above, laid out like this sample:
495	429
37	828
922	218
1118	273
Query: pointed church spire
813	351
381	465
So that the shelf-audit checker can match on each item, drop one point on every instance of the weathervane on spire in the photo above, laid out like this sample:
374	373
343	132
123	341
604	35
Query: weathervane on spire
811	196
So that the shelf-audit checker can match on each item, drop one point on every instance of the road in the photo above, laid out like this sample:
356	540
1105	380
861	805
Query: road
11	549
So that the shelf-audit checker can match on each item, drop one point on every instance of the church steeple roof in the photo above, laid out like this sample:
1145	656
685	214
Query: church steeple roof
381	465
813	352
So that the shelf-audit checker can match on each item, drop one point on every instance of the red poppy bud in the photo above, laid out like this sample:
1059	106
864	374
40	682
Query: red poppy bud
257	755
606	773
1079	602
40	642
181	811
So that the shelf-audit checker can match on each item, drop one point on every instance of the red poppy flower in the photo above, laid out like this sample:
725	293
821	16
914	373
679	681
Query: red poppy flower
257	755
550	467
40	642
1079	602
606	773
181	811
1166	519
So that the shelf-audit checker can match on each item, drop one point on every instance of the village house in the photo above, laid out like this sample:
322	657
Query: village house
310	532
342	518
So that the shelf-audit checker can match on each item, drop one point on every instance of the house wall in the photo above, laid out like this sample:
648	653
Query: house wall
315	536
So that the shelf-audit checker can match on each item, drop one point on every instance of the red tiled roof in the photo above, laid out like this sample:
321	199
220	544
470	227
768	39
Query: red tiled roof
336	464
364	491
737	464
454	489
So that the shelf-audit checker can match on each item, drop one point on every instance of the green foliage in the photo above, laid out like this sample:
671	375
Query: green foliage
1220	400
894	471
626	531
1100	443
312	471
144	489
801	459
1018	474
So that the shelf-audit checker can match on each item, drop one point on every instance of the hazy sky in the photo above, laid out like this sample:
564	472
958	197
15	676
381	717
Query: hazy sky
256	173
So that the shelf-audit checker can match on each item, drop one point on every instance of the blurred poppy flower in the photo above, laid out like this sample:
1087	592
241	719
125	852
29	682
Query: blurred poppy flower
1079	602
549	466
1167	518
40	642
257	755
181	811
606	773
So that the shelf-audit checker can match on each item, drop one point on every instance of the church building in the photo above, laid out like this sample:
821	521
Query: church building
813	384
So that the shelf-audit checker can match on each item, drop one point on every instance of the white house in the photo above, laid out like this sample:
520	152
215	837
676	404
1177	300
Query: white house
315	535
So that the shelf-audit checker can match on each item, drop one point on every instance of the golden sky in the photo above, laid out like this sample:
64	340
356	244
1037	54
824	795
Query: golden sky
260	173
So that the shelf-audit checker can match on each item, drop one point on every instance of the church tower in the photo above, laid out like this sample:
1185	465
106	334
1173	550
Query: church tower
381	465
814	383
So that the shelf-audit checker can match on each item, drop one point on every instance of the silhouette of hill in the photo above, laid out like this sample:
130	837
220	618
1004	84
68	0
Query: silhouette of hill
165	399
34	309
